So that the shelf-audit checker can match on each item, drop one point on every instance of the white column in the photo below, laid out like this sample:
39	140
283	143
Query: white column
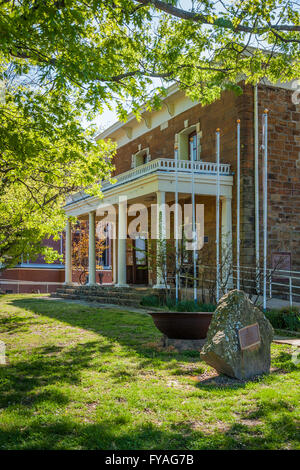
160	233
122	237
92	248
114	255
68	253
226	242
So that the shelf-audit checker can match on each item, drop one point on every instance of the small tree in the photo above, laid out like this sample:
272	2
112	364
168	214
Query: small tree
80	251
161	256
160	260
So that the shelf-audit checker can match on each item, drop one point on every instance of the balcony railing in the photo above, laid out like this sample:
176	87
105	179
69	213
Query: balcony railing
169	165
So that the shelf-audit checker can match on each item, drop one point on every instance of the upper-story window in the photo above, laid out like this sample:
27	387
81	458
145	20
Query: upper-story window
140	158
105	258
186	151
192	142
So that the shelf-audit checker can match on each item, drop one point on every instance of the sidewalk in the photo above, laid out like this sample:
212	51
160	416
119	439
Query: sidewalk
278	303
287	340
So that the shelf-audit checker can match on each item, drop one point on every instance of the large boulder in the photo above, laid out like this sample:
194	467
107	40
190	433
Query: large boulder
239	338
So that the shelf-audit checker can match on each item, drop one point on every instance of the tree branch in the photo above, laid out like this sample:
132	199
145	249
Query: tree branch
120	77
205	19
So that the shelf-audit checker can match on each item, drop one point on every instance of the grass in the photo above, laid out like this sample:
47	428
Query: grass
90	378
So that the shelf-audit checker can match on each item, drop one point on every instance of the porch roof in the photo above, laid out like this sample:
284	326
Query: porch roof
156	175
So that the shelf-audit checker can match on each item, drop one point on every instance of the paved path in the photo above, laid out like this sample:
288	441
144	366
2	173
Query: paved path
287	340
278	303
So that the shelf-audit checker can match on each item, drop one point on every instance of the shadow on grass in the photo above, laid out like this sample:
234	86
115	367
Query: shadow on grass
65	433
220	382
12	323
139	330
19	381
135	332
223	382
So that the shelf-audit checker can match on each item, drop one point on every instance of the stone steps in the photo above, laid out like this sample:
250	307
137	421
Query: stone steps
127	296
119	295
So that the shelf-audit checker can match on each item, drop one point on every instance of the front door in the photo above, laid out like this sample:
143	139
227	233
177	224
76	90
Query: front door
137	272
140	271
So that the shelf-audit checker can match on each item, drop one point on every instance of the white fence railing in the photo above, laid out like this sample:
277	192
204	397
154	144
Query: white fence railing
17	286
284	284
281	284
169	165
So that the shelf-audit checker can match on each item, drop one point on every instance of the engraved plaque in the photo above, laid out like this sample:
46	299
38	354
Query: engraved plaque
249	336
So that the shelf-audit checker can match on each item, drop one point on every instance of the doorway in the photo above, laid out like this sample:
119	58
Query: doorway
137	263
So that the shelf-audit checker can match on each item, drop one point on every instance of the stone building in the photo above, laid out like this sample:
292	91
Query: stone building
145	171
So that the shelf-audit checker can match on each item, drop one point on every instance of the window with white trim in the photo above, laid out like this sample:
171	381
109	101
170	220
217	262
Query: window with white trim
140	158
183	141
105	258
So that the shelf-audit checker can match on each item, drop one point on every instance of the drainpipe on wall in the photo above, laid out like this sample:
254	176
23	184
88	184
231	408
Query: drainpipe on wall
218	216
256	185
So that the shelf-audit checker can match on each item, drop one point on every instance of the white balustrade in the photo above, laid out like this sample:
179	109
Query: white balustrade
169	165
161	165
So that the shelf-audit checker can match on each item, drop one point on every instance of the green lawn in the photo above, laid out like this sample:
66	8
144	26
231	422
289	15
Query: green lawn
87	378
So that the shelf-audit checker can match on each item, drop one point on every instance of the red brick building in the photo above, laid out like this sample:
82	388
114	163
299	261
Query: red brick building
34	275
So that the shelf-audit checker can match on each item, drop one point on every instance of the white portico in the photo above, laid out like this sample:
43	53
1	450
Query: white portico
152	182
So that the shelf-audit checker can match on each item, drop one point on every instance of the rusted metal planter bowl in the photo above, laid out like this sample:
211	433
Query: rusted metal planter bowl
182	325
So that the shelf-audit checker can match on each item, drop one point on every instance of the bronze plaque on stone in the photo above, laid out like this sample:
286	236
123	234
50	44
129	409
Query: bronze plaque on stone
249	336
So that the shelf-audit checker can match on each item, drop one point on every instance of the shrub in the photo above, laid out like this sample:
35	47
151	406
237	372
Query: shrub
290	310
170	303
182	306
208	307
151	301
186	306
292	322
284	319
190	306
